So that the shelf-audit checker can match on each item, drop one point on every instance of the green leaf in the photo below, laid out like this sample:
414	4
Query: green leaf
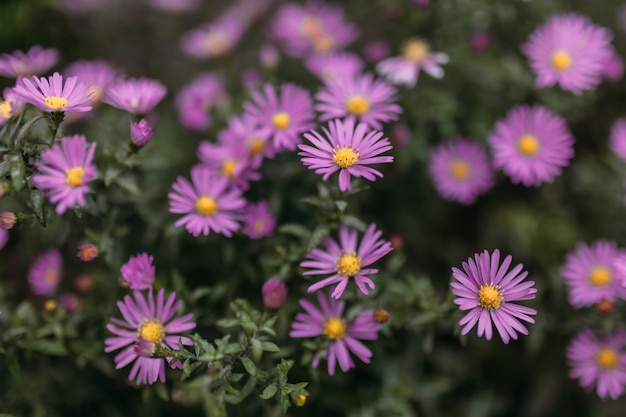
50	347
4	168
249	366
37	201
318	235
111	174
270	347
269	391
128	183
295	230
16	164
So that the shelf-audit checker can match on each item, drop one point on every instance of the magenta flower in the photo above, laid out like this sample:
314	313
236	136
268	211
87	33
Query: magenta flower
488	289
97	75
231	160
460	170
613	68
208	203
258	221
282	117
243	131
53	95
196	100
361	98
342	338
65	171
213	39
138	272
376	50
347	149
328	67
531	145
344	261
11	105
135	95
44	274
7	220
70	302
35	61
274	293
599	362
87	252
617	139
152	322
4	237
416	56
568	50
140	132
590	274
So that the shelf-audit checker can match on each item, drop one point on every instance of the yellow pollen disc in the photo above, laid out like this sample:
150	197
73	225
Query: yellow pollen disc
345	157
217	44
259	225
206	206
561	60
348	265
358	105
334	328
528	144
5	109
415	50
56	103
460	169
134	103
96	92
323	43
152	330
607	358
228	168
256	145
74	176
51	275
490	297
311	26
600	276
50	305
281	120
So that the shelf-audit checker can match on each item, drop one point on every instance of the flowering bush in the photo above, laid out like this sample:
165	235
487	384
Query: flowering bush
257	207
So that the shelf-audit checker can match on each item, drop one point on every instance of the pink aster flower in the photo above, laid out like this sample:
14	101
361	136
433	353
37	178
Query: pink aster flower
4	237
282	116
140	132
347	259
274	293
342	338
568	50
138	272
599	363
347	149
44	274
531	145
590	274
7	220
135	95
87	252
98	75
65	171
617	139
196	101
11	105
244	131
460	170
213	39
361	98
488	290
36	61
53	95
416	56
153	322
258	221
231	160
333	66
208	203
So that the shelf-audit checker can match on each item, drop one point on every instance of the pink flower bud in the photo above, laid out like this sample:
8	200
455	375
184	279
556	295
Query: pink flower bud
87	252
70	302
274	293
7	220
480	41
140	133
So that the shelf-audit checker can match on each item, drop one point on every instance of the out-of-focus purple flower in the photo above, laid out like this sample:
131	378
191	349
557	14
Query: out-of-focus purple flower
11	105
196	100
44	274
83	283
333	66
53	95
138	272
531	145
36	61
4	237
258	221
87	252
231	160
243	131
617	138
399	135
251	78
375	51
152	321
135	95
175	6
213	39
416	56
140	132
7	220
70	302
144	348
480	42
343	338
274	293
269	56
97	75
613	68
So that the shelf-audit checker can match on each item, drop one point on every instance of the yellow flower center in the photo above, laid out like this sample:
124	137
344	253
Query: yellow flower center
281	120
345	157
74	176
259	225
607	358
561	60
96	92
134	103
152	330
600	276
415	50
89	252
217	44
256	145
56	103
490	297
357	105
460	169
228	168
348	265
323	43
51	276
50	305
334	328
206	206
311	26
528	144
5	109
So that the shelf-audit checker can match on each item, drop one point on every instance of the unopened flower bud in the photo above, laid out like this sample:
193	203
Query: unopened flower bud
605	307
299	400
50	306
381	315
83	283
140	133
87	252
274	293
70	302
7	220
480	41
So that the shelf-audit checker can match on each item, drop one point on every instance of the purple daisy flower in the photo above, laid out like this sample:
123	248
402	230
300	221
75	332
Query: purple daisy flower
213	39
36	61
135	95
196	100
361	98
138	272
98	75
461	170
231	160
347	149
531	145
282	117
590	274
617	139
53	95
342	338
208	203
488	290
65	171
416	56
599	362
150	321
258	221
10	105
344	261
328	67
44	274
568	50
243	131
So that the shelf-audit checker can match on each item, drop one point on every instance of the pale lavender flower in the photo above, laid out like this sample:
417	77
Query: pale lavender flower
274	293
415	56
617	139
213	39
97	75
138	272
488	290
347	259
10	105
332	66
153	322
137	96
44	274
140	132
36	61
342	337
196	100
258	221
53	95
